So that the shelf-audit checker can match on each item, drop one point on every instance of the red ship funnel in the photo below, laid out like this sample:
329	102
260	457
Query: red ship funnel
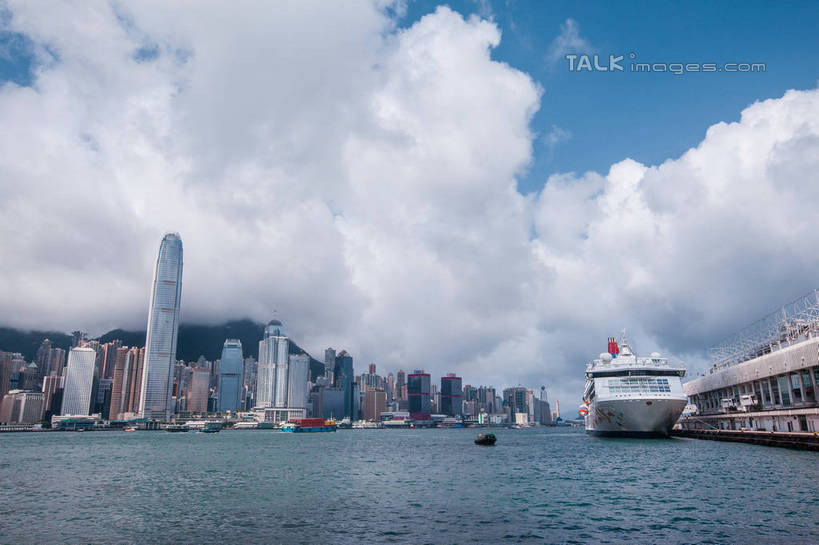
613	348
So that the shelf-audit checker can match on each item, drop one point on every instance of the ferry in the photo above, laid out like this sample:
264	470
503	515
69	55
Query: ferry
631	396
176	428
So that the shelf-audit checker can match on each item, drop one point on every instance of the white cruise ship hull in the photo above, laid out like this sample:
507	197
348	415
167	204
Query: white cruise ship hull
637	417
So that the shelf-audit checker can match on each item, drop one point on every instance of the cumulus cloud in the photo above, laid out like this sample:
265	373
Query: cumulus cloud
361	179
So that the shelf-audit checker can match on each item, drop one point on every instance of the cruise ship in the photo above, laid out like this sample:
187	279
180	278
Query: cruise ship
631	396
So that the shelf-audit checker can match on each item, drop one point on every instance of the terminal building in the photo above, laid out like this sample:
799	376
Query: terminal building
765	377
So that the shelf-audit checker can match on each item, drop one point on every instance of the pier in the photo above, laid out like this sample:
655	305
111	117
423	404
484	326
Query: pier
794	440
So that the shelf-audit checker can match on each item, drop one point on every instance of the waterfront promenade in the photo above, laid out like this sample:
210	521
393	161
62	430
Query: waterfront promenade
793	440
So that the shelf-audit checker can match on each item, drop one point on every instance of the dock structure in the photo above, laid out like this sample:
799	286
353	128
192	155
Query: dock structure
764	378
794	440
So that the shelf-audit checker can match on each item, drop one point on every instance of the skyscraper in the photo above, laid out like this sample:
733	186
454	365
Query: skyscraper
451	395
274	355
418	390
329	364
400	382
375	403
79	381
229	388
120	385
298	374
344	378
198	390
163	325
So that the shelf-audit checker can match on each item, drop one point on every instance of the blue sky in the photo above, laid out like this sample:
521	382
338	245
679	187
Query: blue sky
648	117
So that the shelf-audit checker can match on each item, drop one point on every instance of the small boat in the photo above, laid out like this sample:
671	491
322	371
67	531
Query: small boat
486	439
129	430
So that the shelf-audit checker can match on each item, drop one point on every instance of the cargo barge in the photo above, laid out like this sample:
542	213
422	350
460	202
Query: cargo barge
309	425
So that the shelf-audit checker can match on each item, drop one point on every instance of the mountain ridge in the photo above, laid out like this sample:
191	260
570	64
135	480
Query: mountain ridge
193	340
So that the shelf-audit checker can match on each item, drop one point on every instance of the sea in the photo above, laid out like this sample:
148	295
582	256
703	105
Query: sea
539	485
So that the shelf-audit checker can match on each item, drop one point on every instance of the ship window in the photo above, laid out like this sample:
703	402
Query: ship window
638	385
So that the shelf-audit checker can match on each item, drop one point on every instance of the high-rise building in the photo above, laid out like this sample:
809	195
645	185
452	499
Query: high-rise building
516	401
329	364
109	351
274	356
344	376
132	389
400	383
57	362
51	384
19	407
418	390
198	390
375	403
451	395
250	370
43	358
229	388
79	381
120	385
298	375
163	325
390	387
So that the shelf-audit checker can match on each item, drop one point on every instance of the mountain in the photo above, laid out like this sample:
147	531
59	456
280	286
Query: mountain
194	340
27	342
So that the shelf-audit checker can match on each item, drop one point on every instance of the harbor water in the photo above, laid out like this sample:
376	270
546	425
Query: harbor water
402	486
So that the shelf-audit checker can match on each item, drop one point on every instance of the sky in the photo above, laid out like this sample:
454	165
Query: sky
426	186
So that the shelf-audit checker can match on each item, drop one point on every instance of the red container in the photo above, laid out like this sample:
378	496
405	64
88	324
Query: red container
309	422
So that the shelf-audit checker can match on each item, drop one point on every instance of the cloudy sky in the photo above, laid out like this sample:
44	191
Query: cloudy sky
425	186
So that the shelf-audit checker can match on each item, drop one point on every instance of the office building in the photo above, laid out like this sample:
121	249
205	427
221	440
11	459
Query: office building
329	364
197	398
418	392
79	381
298	375
375	403
274	356
50	386
451	395
229	387
400	385
345	379
163	326
515	401
19	407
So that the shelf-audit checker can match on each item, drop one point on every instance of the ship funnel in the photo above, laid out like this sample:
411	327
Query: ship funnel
613	348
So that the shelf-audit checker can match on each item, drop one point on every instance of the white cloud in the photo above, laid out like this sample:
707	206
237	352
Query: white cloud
362	181
568	41
555	137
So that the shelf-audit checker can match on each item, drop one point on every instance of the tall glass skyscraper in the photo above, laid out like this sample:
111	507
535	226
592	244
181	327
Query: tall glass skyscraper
230	376
274	357
163	325
79	381
298	374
